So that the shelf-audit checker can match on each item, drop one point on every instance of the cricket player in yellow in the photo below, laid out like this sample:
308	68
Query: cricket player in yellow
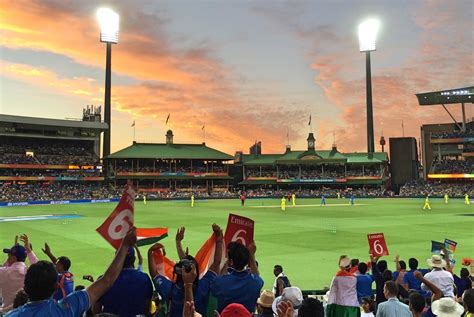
446	198
144	199
192	200
338	195
293	199
466	199
427	204
283	204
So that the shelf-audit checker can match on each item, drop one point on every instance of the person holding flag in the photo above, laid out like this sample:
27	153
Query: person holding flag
293	199
446	198
283	204
427	204
192	200
466	199
173	292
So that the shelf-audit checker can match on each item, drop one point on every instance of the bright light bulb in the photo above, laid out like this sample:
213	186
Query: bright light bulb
368	34
109	25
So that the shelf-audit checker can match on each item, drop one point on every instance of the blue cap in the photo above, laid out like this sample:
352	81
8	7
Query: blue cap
18	251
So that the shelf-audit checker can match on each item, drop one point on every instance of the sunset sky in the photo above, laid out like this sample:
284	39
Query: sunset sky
248	70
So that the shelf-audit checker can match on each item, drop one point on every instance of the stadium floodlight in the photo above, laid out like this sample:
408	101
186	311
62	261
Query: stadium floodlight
368	34
109	25
109	30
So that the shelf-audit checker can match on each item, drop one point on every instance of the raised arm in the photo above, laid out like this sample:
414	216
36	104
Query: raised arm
216	264
252	262
448	260
47	251
99	287
437	293
179	239
397	263
140	258
29	252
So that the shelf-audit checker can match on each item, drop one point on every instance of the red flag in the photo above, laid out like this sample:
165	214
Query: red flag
116	226
377	244
164	266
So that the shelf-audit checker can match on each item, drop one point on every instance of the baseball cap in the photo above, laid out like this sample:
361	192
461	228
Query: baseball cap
18	251
235	310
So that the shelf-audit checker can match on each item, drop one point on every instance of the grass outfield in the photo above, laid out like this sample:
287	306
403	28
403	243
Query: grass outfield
300	239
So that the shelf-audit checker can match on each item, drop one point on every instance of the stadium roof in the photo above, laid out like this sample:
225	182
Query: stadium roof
170	151
459	95
53	122
309	157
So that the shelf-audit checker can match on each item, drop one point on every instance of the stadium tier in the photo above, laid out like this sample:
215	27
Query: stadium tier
313	168
160	168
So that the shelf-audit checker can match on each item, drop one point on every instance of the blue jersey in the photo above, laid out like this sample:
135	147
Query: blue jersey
130	295
323	200
65	285
75	304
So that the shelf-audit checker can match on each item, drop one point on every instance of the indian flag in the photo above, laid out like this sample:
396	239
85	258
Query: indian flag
147	236
342	299
205	256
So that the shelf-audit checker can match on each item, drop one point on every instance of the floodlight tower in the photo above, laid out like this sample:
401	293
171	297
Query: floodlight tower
367	35
109	31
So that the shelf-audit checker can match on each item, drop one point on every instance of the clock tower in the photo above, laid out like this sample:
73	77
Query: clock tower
311	142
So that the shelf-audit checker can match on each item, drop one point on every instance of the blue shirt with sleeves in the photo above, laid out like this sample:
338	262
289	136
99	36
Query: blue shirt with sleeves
174	294
66	285
237	287
364	286
75	304
130	295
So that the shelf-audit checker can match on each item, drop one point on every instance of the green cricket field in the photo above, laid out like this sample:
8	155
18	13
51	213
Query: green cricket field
306	239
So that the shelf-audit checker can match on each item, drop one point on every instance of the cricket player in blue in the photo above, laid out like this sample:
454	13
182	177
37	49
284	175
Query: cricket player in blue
352	199
323	200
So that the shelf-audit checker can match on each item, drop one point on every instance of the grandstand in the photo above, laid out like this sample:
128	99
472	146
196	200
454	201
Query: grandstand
39	153
160	169
312	169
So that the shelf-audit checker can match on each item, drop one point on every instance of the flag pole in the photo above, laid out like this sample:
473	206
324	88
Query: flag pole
134	126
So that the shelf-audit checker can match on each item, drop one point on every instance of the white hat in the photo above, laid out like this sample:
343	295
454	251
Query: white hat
446	307
436	261
292	294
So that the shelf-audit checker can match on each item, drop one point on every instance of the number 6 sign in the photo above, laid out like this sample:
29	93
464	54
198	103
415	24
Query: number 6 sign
116	226
377	244
239	229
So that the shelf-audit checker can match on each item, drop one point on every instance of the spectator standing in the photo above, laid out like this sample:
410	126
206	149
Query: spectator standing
65	278
442	279
342	299
417	304
13	272
41	279
468	301
410	282
281	280
392	307
447	307
239	285
264	304
131	293
368	307
364	283
462	283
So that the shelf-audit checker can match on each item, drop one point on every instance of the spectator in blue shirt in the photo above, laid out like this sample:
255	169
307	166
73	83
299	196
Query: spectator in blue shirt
239	285
409	280
173	292
65	278
131	293
41	279
364	282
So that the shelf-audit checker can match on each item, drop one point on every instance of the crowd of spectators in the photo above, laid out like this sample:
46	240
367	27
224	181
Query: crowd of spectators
447	166
232	277
56	191
167	168
313	173
437	189
49	173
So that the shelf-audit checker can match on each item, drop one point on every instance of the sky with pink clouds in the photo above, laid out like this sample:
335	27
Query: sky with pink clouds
247	70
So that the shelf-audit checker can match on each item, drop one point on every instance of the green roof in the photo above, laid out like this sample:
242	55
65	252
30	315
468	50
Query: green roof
325	156
170	151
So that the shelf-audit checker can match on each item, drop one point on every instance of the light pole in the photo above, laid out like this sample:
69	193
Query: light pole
367	35
109	30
